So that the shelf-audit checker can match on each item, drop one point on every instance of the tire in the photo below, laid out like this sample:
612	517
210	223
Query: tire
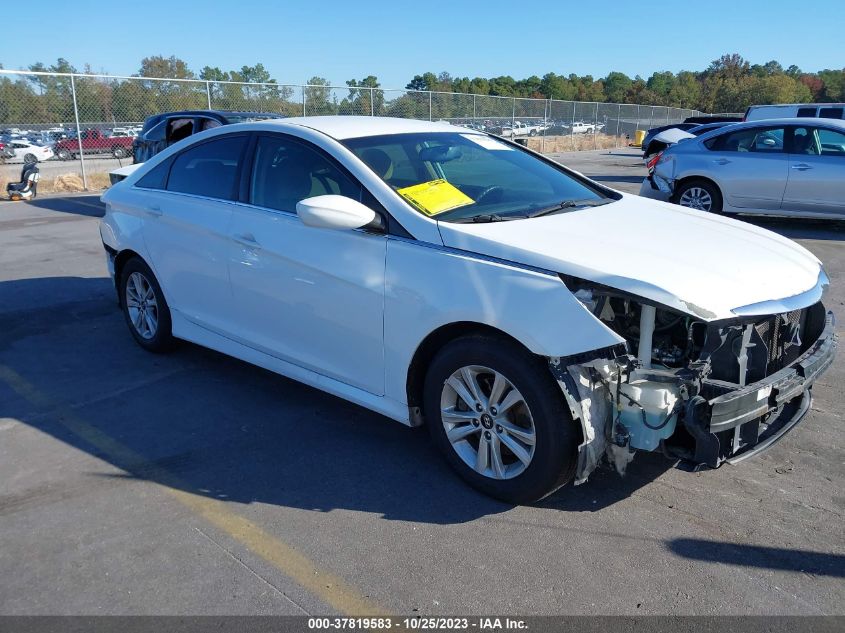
699	194
119	152
63	154
30	159
152	328
551	458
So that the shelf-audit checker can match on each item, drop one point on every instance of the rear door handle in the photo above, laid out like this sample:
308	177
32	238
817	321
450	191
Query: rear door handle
721	161
801	167
153	210
247	239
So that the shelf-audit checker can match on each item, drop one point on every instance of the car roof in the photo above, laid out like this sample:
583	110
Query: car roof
837	123
792	105
792	121
343	127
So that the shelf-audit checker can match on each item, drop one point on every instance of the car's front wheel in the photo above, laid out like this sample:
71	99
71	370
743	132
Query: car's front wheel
497	415
144	307
702	195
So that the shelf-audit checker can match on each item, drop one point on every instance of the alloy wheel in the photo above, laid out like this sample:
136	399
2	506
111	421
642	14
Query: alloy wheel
487	422
141	305
696	198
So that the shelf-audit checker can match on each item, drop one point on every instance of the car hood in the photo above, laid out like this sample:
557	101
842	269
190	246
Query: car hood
699	263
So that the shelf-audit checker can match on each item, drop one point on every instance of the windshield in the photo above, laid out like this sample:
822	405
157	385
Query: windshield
471	177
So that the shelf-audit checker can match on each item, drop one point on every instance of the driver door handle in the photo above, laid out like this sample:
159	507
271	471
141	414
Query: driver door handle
721	161
153	210
801	167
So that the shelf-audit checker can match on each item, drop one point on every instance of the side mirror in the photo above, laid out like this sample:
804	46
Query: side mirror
334	212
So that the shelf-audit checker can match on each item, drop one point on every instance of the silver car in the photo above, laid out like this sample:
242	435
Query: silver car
792	167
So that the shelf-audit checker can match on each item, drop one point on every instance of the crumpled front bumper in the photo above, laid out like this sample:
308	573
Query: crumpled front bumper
743	423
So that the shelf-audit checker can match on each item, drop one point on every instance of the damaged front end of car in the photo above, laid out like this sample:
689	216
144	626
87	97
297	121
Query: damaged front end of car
702	392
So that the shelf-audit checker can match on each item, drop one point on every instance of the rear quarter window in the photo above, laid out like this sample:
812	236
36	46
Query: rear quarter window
156	178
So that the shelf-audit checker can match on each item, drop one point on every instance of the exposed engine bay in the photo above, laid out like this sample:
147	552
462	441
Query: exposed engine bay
700	392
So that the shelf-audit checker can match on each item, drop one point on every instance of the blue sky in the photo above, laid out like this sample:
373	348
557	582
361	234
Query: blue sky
340	40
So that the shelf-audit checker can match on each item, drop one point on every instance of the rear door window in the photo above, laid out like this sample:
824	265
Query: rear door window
760	140
209	169
807	112
831	113
177	129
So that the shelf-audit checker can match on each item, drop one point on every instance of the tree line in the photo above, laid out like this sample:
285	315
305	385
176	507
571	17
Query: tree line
728	84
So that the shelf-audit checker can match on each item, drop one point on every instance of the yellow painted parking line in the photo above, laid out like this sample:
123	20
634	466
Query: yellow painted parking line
329	588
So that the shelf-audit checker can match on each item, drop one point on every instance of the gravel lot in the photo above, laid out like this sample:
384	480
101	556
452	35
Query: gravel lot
193	483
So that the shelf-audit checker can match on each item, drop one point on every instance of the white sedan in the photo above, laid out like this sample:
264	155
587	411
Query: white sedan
536	321
28	152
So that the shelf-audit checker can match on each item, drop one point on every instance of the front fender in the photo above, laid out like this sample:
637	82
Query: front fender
428	287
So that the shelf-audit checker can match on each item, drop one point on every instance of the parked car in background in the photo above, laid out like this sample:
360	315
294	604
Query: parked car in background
162	130
716	118
6	150
93	142
802	110
522	129
793	167
579	127
672	135
28	152
533	319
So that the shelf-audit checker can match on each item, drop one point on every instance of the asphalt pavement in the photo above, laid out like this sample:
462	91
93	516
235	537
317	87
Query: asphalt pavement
192	483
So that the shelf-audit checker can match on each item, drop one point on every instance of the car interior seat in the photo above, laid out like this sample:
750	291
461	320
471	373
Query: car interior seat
803	144
27	188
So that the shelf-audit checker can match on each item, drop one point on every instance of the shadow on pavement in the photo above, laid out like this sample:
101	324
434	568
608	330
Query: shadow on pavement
816	563
88	205
212	425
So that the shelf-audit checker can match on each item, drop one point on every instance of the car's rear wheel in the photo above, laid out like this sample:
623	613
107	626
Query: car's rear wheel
64	154
498	417
119	152
702	195
144	307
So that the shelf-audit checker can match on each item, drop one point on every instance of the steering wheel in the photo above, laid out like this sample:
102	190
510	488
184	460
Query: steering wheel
494	193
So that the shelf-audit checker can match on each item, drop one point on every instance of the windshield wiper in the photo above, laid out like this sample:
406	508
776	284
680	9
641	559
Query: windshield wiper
489	217
565	204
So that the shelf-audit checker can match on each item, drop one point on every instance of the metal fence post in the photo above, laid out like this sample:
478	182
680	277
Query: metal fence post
596	127
546	108
303	99
372	101
572	129
429	105
78	133
208	93
513	118
474	116
618	121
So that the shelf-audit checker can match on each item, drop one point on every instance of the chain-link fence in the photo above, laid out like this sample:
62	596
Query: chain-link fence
80	127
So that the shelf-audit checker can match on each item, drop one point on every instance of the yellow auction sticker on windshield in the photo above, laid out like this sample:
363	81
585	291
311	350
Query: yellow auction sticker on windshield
435	196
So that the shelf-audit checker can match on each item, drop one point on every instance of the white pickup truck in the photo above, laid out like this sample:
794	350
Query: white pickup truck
579	127
522	129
